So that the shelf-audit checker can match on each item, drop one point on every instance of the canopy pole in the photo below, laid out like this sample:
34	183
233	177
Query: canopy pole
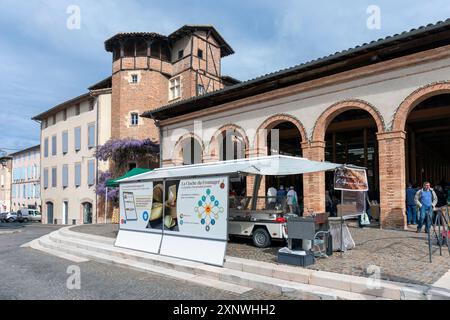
106	203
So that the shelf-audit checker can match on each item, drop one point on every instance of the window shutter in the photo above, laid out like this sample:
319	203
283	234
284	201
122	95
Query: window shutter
46	178
91	138
54	146
46	148
91	172
54	177
65	142
65	176
77	139
77	175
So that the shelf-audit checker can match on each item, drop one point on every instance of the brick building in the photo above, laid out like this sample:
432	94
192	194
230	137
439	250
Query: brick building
383	105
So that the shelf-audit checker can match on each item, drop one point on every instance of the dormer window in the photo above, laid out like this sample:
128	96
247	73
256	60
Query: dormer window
180	54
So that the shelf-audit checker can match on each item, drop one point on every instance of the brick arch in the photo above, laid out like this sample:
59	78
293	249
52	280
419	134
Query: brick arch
177	155
322	123
214	142
415	98
272	122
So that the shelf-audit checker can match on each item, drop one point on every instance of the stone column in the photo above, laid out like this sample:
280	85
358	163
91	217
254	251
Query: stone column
314	183
391	150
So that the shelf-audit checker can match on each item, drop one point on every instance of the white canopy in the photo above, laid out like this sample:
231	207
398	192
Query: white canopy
277	165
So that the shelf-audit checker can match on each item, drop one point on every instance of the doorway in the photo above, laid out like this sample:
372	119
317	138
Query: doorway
87	213
65	212
49	212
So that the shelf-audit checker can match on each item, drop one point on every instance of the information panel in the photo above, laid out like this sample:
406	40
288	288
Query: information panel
196	219
136	214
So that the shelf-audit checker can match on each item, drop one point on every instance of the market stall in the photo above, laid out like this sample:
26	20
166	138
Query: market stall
184	211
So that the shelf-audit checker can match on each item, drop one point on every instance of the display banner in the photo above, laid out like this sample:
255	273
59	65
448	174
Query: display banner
137	212
176	218
350	179
196	216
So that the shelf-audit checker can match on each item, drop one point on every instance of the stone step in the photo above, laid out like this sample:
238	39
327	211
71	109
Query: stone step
380	288
108	253
84	236
49	246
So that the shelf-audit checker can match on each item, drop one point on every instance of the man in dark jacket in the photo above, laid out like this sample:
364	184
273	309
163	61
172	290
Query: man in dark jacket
411	204
426	200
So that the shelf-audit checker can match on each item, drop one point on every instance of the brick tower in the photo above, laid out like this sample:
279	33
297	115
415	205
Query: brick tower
150	70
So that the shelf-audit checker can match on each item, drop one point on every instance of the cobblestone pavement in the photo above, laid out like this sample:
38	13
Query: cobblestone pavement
36	276
401	255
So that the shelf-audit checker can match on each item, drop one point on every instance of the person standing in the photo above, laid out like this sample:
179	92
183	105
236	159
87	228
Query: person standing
426	200
281	195
292	200
411	212
271	198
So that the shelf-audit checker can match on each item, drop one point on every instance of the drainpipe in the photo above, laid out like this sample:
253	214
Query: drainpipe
157	124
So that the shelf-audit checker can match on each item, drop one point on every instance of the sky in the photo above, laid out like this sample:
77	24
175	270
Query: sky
43	62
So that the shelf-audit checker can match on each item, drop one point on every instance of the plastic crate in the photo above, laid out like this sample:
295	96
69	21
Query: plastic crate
296	259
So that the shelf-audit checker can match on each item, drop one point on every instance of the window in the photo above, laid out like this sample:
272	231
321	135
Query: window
77	139
54	177
45	178
91	135
134	119
54	146
77	110
45	123
200	53
91	172
46	148
200	90
65	176
91	104
65	142
134	78
174	88
65	114
180	54
54	119
77	175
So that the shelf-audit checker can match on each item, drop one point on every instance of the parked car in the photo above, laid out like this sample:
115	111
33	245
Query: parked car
25	215
11	217
3	216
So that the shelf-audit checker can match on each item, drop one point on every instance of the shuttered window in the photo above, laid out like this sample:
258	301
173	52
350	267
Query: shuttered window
65	176
77	139
91	135
45	178
77	175
65	142
91	172
54	177
54	146
46	148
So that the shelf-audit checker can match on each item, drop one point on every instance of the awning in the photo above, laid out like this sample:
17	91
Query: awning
277	165
113	183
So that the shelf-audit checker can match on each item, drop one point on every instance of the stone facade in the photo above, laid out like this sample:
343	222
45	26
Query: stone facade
25	183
